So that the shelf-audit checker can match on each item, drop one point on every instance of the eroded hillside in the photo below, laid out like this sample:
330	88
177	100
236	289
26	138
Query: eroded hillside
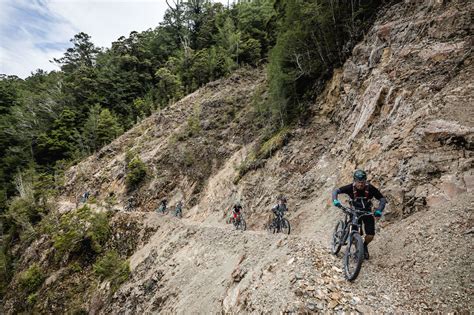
401	107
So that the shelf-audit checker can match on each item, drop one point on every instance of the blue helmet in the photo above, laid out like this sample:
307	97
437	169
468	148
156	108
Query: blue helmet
360	176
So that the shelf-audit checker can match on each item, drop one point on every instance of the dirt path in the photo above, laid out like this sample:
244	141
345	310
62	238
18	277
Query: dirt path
200	268
189	266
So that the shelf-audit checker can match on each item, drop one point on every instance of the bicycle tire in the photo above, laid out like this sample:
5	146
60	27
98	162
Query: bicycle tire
270	227
357	242
236	224
242	225
285	226
337	236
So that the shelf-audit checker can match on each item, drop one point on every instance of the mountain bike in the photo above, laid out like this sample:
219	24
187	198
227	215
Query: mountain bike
348	232
279	224
129	206
163	210
239	222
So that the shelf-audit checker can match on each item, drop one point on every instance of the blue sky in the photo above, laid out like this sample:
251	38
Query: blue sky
33	32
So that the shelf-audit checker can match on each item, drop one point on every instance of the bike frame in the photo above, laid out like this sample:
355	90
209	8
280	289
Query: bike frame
279	219
351	223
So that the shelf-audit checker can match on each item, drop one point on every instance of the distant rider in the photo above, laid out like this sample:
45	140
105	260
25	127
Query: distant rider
162	207
361	193
280	208
179	209
236	211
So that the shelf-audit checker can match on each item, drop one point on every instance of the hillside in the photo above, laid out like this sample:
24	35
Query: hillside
401	107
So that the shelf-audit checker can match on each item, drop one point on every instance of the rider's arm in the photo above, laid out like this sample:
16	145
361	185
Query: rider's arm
341	190
378	195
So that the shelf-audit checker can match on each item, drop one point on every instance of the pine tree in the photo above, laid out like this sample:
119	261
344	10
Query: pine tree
108	127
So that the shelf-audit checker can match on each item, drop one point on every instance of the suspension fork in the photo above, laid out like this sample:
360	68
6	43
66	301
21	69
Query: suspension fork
347	230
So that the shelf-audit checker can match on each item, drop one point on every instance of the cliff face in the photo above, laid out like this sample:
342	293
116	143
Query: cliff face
401	108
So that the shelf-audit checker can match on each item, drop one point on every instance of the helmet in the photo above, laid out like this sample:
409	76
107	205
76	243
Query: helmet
237	204
360	176
282	198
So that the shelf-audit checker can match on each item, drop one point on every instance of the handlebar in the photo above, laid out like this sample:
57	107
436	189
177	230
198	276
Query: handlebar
355	211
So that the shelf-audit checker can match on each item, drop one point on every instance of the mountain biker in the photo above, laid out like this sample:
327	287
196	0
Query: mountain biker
361	192
84	197
162	207
236	210
130	203
281	207
179	208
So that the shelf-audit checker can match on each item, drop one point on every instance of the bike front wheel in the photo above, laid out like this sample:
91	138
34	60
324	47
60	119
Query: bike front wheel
337	236
354	257
271	227
242	225
285	226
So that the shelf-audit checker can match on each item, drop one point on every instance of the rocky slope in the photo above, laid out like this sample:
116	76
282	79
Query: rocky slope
401	107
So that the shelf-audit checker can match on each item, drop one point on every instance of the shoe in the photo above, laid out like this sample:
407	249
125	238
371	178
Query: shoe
366	252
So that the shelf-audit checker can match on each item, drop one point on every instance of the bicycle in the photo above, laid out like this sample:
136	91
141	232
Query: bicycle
129	206
163	210
279	224
239	222
347	232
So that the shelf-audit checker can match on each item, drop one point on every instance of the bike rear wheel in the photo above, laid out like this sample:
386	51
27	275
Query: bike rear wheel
354	257
285	226
241	225
271	227
337	236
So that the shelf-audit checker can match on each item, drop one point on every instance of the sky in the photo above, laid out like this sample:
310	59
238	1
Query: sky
33	32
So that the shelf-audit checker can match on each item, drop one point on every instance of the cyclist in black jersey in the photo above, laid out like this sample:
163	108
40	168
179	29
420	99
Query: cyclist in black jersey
361	193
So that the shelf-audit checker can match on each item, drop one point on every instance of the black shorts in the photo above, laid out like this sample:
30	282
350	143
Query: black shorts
369	224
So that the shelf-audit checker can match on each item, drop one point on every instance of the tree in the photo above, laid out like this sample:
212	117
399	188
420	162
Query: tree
108	127
229	38
61	142
169	87
91	129
83	53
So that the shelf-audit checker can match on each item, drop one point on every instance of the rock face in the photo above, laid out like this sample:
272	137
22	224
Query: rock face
401	108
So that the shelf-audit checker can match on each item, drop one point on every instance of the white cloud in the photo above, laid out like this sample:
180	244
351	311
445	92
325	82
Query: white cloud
32	32
107	20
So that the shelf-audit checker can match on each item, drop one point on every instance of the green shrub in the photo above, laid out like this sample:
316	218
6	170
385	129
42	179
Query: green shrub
262	151
32	298
111	267
136	173
31	279
81	230
192	127
110	202
75	267
6	267
277	141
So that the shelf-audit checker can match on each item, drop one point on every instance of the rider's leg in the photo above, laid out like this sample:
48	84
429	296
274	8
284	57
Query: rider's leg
368	239
369	227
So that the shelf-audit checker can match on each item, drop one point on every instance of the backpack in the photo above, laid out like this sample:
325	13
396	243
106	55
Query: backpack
359	199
